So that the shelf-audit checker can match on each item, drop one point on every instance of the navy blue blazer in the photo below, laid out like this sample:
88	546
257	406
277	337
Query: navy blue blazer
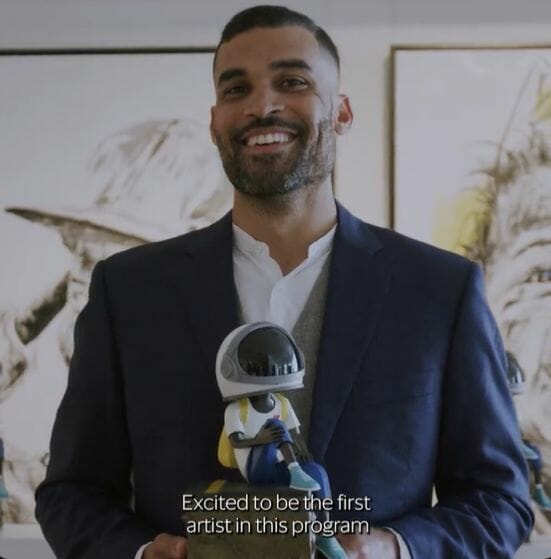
410	391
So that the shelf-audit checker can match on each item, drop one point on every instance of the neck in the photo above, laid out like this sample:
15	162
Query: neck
263	403
288	224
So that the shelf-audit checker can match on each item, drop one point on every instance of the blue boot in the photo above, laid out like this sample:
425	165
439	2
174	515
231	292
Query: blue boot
330	548
300	480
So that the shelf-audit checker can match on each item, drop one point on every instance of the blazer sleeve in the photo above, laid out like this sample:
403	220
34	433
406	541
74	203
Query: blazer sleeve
83	505
481	478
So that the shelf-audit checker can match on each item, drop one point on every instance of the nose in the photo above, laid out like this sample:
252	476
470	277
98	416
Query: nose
263	102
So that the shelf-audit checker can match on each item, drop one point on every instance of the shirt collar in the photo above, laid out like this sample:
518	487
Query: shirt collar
249	245
244	242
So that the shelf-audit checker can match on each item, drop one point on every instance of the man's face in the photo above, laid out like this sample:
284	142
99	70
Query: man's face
277	110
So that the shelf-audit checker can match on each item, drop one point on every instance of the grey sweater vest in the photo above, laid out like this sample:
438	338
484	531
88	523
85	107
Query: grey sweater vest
307	334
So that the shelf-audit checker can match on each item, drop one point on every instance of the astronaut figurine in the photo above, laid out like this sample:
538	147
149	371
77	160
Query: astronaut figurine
254	363
515	378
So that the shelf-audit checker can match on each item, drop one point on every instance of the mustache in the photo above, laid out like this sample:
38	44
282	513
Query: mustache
266	122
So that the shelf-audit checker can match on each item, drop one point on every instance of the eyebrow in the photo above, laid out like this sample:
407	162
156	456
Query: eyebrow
290	63
228	75
286	64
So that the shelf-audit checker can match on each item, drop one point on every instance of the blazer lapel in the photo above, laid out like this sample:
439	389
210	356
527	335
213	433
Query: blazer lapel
358	285
210	293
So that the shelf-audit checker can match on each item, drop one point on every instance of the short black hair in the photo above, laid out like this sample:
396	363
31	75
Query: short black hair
275	16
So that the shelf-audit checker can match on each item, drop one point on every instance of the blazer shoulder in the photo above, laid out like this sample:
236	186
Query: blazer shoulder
398	250
407	251
152	256
428	270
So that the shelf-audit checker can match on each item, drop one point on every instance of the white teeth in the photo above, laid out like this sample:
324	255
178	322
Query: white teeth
263	139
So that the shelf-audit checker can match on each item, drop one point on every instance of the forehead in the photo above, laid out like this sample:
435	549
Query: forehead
255	49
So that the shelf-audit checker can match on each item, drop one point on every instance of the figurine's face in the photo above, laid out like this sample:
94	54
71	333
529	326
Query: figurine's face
518	281
277	110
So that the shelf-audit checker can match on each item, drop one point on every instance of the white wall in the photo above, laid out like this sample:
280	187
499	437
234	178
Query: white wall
363	182
363	30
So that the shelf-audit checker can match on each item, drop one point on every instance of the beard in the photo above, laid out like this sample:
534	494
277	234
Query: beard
274	174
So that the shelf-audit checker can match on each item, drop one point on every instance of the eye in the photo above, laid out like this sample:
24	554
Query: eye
294	83
234	90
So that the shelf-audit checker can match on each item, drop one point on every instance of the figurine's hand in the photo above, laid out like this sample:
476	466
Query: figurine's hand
269	434
378	544
165	546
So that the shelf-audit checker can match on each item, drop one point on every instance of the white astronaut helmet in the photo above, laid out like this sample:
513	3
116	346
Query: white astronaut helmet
258	358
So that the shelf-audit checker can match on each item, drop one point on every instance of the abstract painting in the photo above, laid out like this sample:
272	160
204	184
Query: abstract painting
471	173
99	151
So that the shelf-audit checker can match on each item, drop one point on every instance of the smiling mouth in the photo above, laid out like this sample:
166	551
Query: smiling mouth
267	140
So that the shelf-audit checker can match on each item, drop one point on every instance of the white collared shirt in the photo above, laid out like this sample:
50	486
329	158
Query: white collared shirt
265	294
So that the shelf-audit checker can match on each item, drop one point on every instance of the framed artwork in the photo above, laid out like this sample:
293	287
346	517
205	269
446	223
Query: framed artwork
100	150
471	172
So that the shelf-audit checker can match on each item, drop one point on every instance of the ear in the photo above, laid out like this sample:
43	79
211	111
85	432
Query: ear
344	116
211	126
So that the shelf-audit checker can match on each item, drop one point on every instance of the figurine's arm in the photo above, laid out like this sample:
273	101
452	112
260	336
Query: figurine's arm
267	434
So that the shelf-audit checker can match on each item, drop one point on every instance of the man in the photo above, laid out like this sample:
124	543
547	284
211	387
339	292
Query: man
410	388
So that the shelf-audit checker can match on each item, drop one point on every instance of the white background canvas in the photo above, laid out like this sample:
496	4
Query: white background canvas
55	111
453	108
